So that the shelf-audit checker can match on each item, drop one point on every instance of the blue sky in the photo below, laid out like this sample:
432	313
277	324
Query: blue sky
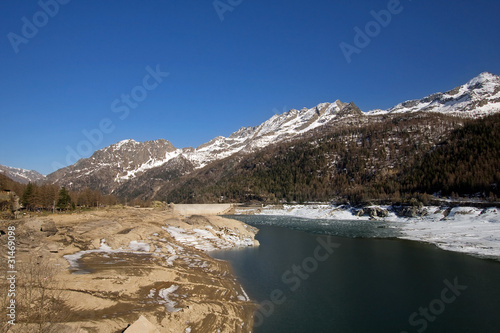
262	58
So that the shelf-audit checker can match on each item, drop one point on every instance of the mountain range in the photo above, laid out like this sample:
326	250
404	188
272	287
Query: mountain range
153	169
22	176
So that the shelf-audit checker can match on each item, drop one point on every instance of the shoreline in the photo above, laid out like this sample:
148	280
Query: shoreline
115	267
471	230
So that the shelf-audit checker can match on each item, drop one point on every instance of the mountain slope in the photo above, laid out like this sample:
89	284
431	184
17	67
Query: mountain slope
152	169
277	129
466	163
21	175
478	97
114	165
358	161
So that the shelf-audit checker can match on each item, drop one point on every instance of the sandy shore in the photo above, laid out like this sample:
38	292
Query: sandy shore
102	270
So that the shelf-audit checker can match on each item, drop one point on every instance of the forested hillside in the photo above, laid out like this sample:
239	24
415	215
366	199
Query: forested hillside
468	162
392	159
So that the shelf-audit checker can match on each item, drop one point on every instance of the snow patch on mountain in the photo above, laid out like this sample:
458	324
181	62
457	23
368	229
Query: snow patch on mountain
149	164
477	98
122	143
22	176
278	128
119	163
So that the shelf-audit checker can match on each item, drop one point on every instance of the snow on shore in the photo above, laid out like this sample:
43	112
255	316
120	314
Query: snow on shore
465	229
134	246
209	239
462	229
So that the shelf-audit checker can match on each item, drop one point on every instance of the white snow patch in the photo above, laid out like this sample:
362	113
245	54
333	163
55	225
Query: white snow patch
243	297
319	211
138	246
466	229
169	304
73	258
135	248
208	239
152	293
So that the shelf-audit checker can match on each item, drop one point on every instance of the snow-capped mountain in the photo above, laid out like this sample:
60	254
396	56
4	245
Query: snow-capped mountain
114	164
478	97
118	164
278	128
21	175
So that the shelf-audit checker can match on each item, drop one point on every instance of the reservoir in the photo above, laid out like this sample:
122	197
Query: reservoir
355	276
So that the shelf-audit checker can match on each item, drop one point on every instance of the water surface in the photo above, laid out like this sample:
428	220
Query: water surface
370	282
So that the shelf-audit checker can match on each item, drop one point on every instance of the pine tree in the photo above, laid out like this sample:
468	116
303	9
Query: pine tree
64	200
29	196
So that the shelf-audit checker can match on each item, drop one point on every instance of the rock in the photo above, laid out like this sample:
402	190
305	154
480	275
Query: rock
373	212
53	247
377	212
142	325
411	211
49	227
359	212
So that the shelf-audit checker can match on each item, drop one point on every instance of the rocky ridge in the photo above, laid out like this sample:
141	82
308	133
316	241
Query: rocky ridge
122	167
22	176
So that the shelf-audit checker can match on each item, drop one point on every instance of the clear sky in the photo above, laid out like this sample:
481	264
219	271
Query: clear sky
69	68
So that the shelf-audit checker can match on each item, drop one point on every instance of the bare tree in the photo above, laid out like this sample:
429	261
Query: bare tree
39	298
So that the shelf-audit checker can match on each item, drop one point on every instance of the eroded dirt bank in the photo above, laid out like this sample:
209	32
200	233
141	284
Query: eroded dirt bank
104	269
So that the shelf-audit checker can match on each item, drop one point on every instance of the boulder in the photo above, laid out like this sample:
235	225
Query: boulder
359	212
49	227
377	212
142	325
411	211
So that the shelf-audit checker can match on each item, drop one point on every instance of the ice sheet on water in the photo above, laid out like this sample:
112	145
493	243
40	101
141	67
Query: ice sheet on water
464	229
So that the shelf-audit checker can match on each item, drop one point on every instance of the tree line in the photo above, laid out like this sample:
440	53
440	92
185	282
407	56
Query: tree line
51	197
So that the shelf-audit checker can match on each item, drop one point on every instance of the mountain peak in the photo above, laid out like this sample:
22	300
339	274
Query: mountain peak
486	76
483	80
118	145
22	176
117	164
478	97
131	143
